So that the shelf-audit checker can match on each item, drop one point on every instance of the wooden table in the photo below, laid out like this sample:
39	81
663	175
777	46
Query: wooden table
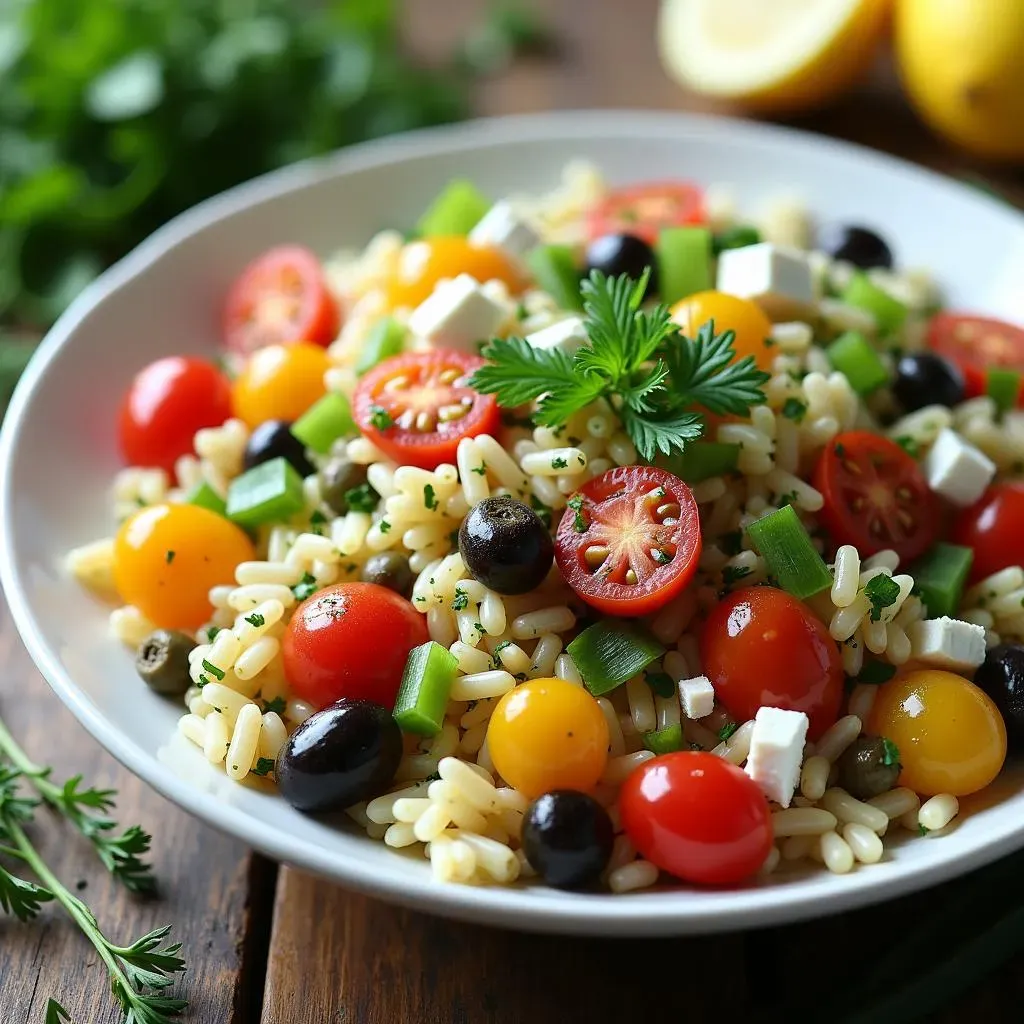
269	944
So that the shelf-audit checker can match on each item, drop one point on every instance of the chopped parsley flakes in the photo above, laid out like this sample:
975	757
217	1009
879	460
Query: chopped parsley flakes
461	601
277	705
255	619
217	673
795	410
169	557
727	730
306	587
429	497
362	498
380	417
579	522
734	573
263	766
883	592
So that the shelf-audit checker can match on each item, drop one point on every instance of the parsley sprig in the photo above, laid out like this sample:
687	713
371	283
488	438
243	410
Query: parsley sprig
654	377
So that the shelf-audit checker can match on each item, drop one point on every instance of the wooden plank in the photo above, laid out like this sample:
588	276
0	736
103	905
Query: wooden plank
205	881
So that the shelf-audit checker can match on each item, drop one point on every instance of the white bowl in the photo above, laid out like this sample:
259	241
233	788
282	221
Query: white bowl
58	455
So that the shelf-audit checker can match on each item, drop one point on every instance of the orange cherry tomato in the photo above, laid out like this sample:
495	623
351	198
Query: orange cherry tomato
280	382
730	313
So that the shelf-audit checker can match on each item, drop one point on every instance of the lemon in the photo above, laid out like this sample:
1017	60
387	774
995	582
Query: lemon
775	56
962	62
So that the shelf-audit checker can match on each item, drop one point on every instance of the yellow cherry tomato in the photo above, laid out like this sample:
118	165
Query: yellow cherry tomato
950	735
167	557
279	382
548	734
424	263
730	313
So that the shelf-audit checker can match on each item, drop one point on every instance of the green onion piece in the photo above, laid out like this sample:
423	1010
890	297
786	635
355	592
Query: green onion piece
853	355
701	461
554	267
738	237
785	545
683	257
426	682
664	741
267	492
323	423
206	497
940	576
863	293
386	339
455	211
1003	387
610	652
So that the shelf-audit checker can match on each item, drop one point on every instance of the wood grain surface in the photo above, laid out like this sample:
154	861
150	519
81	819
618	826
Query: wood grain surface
283	948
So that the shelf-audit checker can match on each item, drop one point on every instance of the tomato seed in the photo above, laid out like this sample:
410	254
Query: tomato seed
595	555
399	383
670	508
631	578
448	413
448	376
425	422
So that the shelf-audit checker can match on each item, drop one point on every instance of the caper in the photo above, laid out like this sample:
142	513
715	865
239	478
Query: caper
389	569
869	766
162	662
338	476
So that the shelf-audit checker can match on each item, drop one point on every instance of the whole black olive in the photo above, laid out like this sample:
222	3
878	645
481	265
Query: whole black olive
1001	676
389	569
869	766
860	246
339	756
622	254
273	439
567	838
927	379
162	662
339	475
505	546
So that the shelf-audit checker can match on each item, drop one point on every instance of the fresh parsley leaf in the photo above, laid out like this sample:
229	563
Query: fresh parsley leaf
727	730
211	632
56	1014
380	417
461	600
909	445
559	463
256	620
890	752
20	898
277	705
480	470
667	434
543	511
518	373
661	683
922	830
263	766
795	410
734	573
429	498
579	522
385	526
362	498
306	587
882	591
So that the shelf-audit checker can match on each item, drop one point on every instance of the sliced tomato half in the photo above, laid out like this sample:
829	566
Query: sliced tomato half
417	407
643	210
978	344
876	496
279	299
629	540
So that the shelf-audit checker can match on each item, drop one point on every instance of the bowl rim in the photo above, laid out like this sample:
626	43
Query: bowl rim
661	912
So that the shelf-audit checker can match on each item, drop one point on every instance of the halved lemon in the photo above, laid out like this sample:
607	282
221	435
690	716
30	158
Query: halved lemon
776	56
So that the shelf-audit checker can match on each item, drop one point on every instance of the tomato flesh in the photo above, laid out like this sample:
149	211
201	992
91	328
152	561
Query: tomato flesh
630	540
697	817
991	528
977	344
761	647
417	407
166	404
351	640
279	299
876	496
643	210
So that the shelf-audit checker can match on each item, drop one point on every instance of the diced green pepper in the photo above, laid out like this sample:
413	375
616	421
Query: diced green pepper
386	339
785	545
853	355
863	293
701	461
683	257
665	741
554	267
426	682
267	492
940	576
323	423
610	652
1003	387
456	211
738	237
206	497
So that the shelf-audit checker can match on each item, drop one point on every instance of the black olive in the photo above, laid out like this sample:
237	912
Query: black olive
1001	676
859	246
622	254
339	756
162	662
927	379
567	838
338	476
869	766
389	569
273	439
505	546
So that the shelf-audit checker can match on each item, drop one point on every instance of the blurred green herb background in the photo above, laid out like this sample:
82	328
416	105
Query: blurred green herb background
115	115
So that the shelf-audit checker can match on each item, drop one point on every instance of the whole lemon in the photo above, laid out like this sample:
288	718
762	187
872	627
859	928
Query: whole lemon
962	62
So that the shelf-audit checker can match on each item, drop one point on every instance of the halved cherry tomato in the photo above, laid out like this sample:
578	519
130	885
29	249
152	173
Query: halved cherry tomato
351	640
993	528
632	543
425	262
697	817
730	313
280	298
166	404
417	407
876	496
977	344
761	646
280	382
643	210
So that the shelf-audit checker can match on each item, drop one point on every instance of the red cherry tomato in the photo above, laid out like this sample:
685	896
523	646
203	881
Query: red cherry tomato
351	640
643	210
166	404
977	344
761	647
876	496
993	527
417	407
280	298
634	541
697	817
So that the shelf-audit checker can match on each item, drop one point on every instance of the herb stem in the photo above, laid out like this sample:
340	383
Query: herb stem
28	768
10	851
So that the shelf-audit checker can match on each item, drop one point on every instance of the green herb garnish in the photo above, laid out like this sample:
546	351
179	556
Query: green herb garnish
883	592
277	705
306	587
169	557
579	523
890	752
461	601
795	410
217	673
727	730
559	463
385	526
543	511
362	498
255	619
263	766
734	573
380	417
661	683
910	446
480	470
429	498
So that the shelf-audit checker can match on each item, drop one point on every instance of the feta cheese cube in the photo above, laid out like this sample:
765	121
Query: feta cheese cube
565	335
698	696
947	643
776	752
458	314
778	279
957	470
503	228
